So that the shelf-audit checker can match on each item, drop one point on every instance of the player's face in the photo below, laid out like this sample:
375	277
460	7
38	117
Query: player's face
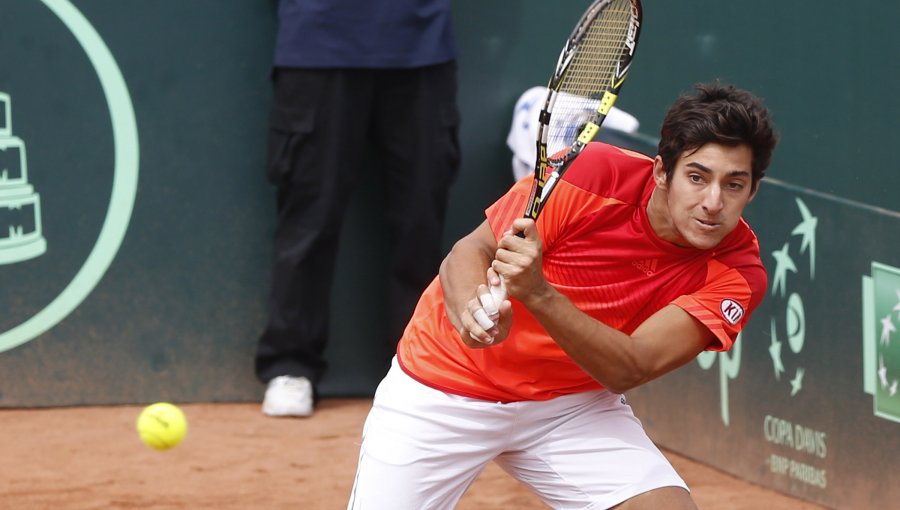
706	196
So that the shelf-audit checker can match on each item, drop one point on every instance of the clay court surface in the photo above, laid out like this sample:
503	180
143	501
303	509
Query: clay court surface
235	458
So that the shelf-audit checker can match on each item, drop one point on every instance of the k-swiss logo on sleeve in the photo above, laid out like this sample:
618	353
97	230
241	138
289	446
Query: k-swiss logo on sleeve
732	311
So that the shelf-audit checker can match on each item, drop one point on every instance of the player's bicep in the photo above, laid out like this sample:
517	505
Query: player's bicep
669	339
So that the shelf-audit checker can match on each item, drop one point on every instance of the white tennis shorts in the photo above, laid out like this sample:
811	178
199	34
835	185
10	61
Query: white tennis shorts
422	448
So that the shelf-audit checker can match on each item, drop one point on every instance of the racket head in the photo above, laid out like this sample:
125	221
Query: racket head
591	69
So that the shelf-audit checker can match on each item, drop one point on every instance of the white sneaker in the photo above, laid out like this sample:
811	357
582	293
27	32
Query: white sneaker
288	396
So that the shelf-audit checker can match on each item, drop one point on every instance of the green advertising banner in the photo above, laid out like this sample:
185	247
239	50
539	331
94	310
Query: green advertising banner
806	402
135	218
881	317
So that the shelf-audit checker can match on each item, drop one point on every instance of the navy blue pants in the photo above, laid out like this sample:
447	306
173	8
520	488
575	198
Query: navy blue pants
324	123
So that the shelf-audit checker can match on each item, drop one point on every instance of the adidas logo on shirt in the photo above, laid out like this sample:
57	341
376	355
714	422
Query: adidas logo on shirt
648	267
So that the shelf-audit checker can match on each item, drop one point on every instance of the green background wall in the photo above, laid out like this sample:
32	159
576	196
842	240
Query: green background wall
829	74
176	314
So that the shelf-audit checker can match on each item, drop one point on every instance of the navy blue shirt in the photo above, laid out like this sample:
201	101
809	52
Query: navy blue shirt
364	33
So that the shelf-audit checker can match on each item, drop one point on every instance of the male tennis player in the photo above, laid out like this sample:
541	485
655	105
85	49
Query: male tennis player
635	266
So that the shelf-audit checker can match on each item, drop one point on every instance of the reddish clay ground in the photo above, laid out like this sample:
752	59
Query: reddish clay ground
235	458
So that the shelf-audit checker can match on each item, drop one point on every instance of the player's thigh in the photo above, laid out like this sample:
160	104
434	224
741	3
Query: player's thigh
590	452
421	448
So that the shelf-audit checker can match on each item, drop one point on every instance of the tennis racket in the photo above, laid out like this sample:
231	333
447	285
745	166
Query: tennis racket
589	74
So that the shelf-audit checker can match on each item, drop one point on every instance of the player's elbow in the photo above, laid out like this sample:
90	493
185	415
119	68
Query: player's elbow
631	375
622	385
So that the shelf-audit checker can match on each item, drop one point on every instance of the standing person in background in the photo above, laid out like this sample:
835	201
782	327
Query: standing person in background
349	73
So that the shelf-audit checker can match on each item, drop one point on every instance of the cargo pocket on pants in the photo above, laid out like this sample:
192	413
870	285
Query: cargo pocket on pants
289	133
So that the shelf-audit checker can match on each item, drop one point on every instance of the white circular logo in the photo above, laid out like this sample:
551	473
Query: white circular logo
732	311
124	186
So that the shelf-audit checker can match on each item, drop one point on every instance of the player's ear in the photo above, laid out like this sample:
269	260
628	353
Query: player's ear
659	173
753	192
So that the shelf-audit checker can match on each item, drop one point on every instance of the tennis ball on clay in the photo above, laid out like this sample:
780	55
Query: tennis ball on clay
161	425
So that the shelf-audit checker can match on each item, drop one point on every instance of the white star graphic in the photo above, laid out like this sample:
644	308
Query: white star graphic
887	327
882	372
893	390
807	229
783	264
775	352
797	382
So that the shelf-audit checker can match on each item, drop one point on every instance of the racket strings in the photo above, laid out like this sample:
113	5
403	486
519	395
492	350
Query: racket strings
592	71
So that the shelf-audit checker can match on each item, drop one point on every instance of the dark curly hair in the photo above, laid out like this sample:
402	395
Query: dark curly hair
722	114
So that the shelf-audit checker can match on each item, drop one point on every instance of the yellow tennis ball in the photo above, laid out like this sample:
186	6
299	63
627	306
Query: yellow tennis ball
161	425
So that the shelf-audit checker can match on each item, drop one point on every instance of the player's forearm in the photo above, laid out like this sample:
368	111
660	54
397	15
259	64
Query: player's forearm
606	354
462	270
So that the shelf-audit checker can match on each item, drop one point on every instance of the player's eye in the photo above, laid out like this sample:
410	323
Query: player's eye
695	178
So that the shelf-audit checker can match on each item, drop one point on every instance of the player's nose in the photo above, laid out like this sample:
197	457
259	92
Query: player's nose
712	200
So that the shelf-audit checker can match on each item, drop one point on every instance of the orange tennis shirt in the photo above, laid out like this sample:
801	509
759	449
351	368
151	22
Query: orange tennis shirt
601	252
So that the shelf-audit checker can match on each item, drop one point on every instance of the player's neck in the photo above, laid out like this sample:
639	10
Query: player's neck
661	220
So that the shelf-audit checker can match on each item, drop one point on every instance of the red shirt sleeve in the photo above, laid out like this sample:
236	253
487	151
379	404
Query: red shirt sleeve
509	207
725	301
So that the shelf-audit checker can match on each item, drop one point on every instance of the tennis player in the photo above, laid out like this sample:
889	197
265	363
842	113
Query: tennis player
635	266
